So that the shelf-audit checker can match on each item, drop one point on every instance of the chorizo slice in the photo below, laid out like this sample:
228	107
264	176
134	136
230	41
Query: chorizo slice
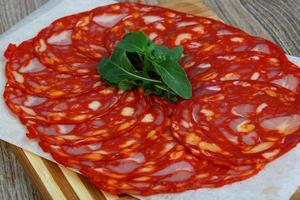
125	116
223	44
238	122
124	145
188	31
54	48
61	110
138	164
24	71
89	32
202	179
244	66
178	171
155	24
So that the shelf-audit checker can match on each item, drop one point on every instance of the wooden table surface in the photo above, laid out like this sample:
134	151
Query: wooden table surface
278	20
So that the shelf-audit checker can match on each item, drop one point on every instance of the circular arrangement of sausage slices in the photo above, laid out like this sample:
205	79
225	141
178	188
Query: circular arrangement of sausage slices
122	118
138	164
151	125
155	24
193	30
24	70
223	44
238	122
54	48
243	66
107	24
62	110
176	171
185	173
244	111
88	33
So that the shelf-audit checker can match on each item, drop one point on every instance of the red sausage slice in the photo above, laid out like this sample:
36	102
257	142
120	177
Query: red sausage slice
54	48
88	34
24	71
187	173
244	66
135	165
92	31
238	122
122	146
196	29
61	110
223	44
154	24
126	115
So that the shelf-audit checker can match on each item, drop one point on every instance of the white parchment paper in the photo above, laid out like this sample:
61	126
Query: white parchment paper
278	181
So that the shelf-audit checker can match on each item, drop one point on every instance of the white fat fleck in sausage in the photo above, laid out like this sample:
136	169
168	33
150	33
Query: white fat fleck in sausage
185	23
65	129
255	76
34	65
284	124
94	105
151	18
214	88
271	154
227	57
148	118
178	166
243	110
129	164
153	35
181	37
18	77
204	65
28	110
261	48
62	38
127	111
34	101
261	107
289	82
108	20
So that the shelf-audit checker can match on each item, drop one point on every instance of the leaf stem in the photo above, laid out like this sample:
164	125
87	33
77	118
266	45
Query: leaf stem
138	77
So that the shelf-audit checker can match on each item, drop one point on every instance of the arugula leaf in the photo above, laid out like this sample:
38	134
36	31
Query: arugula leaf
160	53
101	69
160	90
136	61
174	77
120	56
114	73
148	67
127	84
111	74
134	42
176	53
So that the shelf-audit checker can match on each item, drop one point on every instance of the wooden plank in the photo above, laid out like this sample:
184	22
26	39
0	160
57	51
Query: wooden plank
29	168
195	7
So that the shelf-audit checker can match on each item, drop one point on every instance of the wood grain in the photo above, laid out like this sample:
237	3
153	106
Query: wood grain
12	11
14	182
277	20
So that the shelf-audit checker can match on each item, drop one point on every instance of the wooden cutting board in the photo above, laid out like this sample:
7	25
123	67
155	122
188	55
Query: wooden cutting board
54	181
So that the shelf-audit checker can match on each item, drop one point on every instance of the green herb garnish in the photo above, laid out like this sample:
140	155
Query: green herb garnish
137	61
